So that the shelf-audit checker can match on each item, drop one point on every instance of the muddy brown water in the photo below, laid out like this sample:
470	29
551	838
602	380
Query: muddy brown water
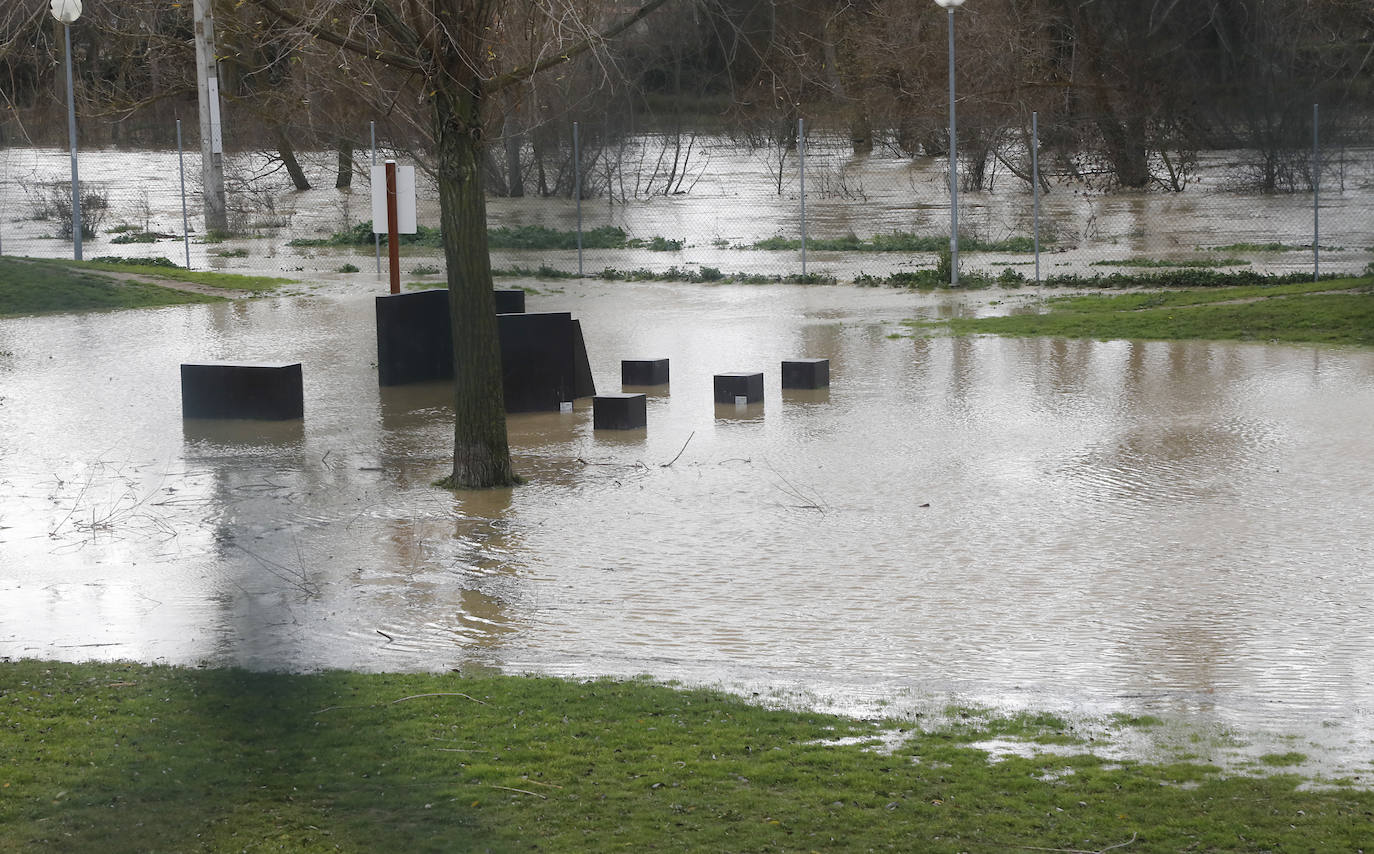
1181	529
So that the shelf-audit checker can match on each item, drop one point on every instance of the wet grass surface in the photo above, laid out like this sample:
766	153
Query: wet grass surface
46	286
1328	312
115	758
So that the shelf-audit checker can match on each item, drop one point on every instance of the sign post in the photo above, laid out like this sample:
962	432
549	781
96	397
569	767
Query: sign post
393	211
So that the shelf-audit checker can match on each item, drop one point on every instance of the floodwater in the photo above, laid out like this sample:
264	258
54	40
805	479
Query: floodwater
1181	529
732	198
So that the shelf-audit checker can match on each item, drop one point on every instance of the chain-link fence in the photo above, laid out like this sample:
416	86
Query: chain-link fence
790	203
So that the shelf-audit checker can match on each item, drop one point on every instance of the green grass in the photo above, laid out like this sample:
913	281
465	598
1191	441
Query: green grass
1167	263
1299	313
121	758
896	242
505	237
29	286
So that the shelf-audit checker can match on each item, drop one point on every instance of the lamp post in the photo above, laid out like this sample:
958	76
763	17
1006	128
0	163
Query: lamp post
949	6
67	11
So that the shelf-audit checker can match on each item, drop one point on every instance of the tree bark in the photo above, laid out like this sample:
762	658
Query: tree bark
288	158
481	454
344	177
514	142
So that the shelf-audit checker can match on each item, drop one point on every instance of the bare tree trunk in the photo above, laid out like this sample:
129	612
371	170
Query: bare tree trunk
481	454
514	140
288	158
344	177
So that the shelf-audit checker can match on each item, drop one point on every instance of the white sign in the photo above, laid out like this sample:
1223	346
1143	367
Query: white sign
216	132
66	11
405	199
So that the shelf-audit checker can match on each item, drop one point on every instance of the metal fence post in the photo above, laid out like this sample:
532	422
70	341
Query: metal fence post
801	167
577	193
1316	195
376	238
1035	186
185	220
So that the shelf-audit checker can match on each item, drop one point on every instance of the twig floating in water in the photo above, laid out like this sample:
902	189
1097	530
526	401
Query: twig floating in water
679	453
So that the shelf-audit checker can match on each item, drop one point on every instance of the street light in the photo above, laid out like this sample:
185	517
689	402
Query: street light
949	6
67	11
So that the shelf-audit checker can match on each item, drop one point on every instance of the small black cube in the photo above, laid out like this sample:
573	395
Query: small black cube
644	372
270	392
619	411
806	373
745	385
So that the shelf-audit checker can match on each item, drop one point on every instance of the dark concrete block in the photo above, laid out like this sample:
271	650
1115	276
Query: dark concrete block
509	301
414	338
270	392
583	383
543	360
746	385
644	372
806	373
543	356
619	411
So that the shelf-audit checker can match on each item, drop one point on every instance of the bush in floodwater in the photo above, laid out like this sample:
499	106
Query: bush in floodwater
348	268
53	201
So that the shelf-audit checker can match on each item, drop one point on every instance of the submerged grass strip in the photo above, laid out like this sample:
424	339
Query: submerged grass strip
131	758
1308	313
30	286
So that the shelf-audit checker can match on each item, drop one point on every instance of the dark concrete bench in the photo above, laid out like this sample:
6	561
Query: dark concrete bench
806	373
749	386
638	372
267	391
619	411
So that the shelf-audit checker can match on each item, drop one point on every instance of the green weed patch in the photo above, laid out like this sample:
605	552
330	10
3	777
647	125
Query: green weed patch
125	758
505	237
1328	312
896	242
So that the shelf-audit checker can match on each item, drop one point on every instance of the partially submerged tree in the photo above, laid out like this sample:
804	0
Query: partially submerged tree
452	52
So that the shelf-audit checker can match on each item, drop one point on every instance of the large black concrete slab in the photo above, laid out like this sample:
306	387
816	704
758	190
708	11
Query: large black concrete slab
543	355
509	301
806	373
746	385
619	412
583	383
644	372
264	390
543	361
414	337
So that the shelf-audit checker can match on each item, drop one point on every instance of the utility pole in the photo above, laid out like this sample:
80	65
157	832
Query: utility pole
211	137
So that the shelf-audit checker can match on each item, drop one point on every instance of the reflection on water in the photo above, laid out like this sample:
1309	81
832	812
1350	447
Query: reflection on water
1175	527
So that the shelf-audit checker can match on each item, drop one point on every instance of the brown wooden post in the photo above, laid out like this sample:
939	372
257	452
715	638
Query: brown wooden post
393	239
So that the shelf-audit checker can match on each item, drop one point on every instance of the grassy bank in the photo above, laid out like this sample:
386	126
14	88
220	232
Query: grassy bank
1337	311
46	286
129	758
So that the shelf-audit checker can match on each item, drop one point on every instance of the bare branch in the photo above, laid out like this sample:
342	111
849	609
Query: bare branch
386	57
521	74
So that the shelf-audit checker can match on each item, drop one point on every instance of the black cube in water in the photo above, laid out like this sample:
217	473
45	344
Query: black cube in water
266	391
509	301
644	372
745	385
806	373
619	412
414	337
